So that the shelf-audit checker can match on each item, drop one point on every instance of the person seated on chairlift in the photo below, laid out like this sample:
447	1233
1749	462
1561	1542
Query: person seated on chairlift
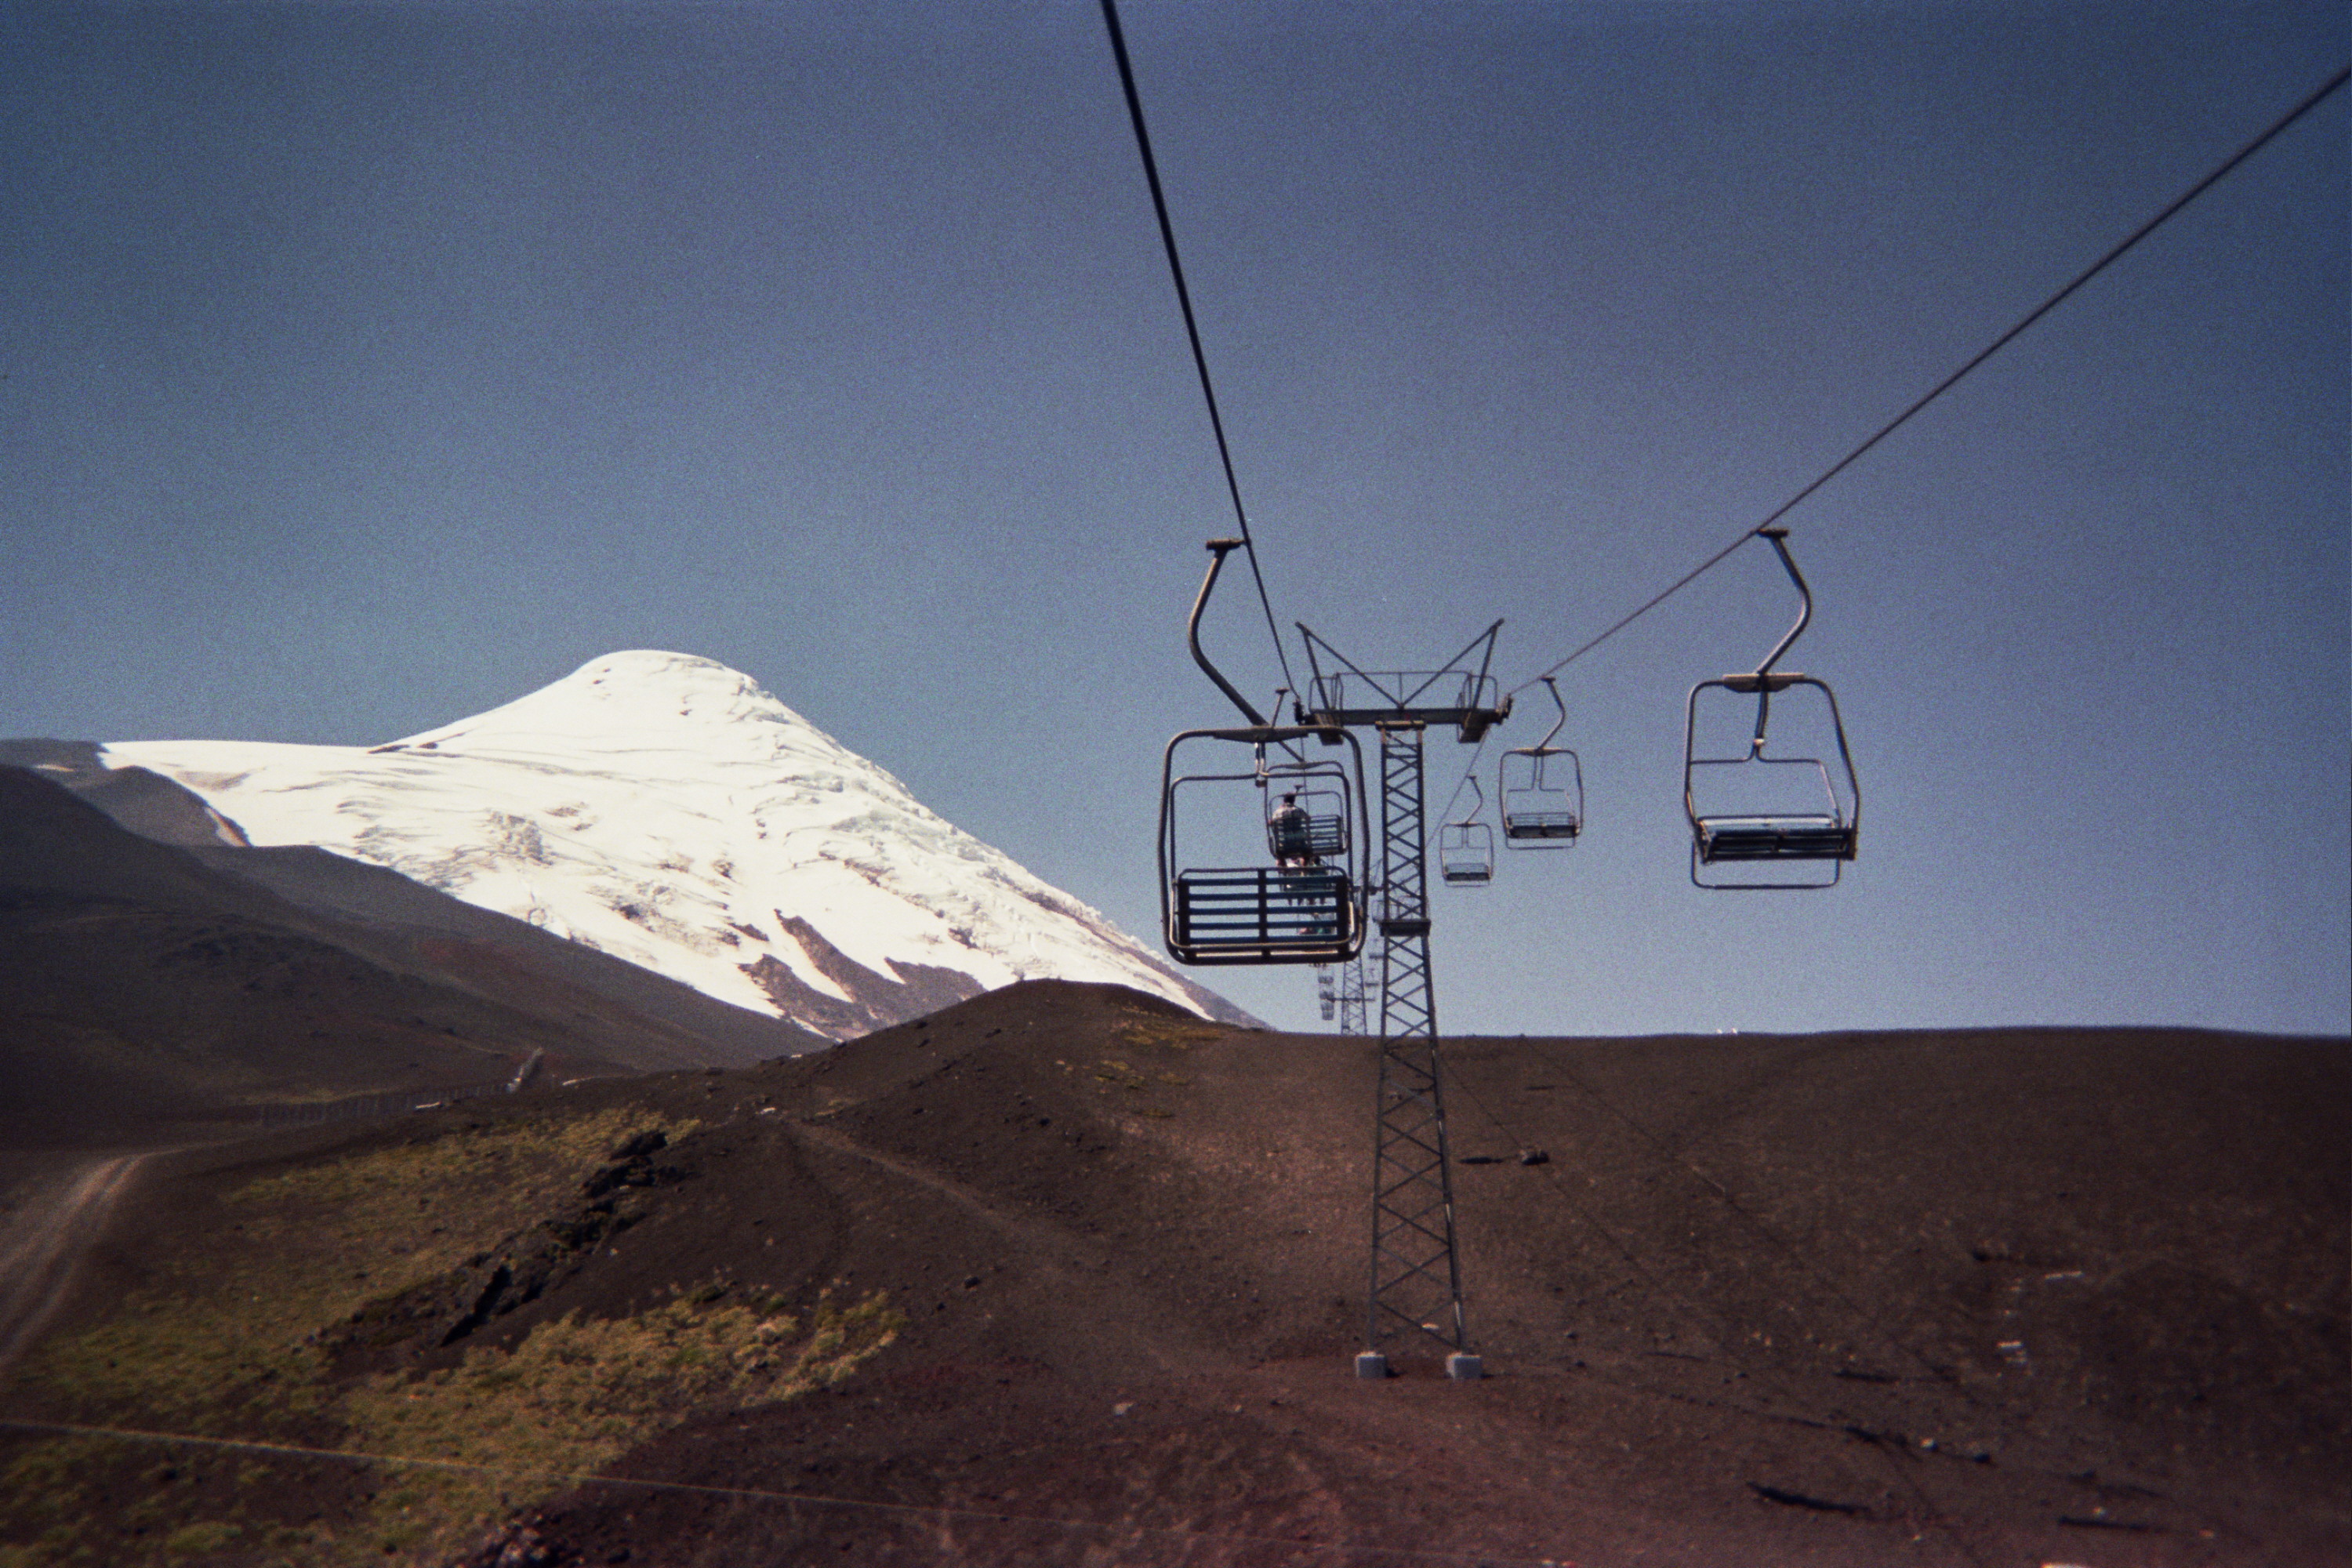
1290	834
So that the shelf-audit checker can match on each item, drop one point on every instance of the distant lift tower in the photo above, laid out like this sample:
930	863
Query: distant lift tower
1339	995
1416	1273
1353	1019
1351	998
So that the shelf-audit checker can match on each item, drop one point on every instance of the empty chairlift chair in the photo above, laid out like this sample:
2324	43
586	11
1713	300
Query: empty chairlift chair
1768	780
1542	790
1466	849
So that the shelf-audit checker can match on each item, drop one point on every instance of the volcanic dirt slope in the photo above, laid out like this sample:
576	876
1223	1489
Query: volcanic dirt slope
2023	1296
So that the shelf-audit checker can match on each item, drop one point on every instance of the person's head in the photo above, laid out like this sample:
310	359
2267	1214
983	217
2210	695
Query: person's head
1290	800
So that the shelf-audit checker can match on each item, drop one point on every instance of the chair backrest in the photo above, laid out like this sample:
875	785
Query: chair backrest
1263	915
1543	797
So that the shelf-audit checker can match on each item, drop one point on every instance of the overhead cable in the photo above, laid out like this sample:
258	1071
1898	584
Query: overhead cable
2190	195
1469	771
941	1512
1192	326
1731	1335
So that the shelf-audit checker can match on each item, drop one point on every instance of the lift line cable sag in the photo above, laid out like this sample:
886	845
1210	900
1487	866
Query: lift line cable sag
1192	325
1468	770
2101	265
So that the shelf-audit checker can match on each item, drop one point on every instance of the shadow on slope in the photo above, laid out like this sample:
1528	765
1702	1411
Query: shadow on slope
140	984
419	929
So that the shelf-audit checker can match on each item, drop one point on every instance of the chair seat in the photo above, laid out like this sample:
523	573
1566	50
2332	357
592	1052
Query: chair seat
1774	839
1541	825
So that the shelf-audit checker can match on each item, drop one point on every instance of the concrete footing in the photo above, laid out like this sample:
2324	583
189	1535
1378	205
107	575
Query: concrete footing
1462	1366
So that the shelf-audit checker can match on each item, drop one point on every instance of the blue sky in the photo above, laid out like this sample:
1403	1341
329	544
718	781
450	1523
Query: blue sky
361	367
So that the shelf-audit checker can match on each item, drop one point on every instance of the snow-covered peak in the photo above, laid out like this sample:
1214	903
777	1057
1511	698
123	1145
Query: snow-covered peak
668	810
649	699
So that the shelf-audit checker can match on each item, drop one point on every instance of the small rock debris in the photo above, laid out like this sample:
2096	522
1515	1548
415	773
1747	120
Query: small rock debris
1798	1499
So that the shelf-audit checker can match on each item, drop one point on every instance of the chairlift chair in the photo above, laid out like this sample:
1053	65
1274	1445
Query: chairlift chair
1762	820
1307	905
1542	789
1466	849
1306	811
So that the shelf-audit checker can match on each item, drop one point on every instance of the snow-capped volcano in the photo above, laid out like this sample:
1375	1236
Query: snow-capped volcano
666	810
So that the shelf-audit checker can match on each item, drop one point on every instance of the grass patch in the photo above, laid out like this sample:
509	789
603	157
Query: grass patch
1166	1033
226	1343
576	1394
47	1487
200	1540
225	1339
1111	1070
528	1162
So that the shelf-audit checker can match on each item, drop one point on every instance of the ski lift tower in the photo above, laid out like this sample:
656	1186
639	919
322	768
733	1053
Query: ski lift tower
1339	995
1416	1273
1350	998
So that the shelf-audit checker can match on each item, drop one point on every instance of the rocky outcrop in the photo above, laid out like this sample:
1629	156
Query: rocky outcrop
519	1270
875	1001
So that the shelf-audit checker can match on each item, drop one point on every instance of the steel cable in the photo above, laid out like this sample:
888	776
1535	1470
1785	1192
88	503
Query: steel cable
1192	326
942	1512
2101	265
1469	771
1726	1332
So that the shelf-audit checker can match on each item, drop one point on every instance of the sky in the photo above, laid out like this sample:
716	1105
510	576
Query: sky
362	367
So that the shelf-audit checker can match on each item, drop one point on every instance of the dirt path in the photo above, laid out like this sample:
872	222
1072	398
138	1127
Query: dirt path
42	1241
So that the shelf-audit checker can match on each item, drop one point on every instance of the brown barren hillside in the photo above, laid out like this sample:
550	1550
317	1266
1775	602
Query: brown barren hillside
1062	1275
146	990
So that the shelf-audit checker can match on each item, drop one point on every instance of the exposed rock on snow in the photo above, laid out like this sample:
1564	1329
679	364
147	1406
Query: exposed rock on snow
666	810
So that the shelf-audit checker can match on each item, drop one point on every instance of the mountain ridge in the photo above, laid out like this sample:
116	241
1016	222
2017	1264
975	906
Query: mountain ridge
671	812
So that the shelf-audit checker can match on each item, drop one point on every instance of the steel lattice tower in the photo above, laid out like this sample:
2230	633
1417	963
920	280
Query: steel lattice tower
1416	1275
1339	992
1416	1272
1351	998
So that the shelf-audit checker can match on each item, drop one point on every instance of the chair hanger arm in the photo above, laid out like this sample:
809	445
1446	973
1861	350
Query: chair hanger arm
1218	550
1779	538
